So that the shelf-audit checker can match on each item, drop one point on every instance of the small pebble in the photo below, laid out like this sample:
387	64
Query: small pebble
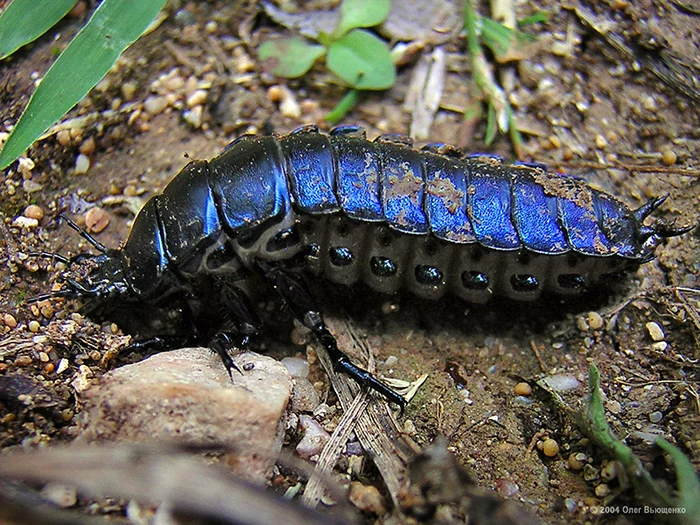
33	212
23	360
62	365
63	138
197	98
602	490
660	346
595	320
155	105
274	93
62	495
9	320
96	220
210	27
46	310
391	360
29	186
507	488
609	471
297	367
550	448
290	107
25	165
582	324
34	326
130	190
82	164
655	331
25	223
522	389
367	498
669	157
577	461
49	367
561	382
315	437
43	357
88	146
655	416
193	117
128	90
600	142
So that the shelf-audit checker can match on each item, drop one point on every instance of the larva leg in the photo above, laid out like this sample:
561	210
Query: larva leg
298	298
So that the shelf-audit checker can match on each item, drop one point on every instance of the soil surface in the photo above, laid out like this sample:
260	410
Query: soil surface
189	87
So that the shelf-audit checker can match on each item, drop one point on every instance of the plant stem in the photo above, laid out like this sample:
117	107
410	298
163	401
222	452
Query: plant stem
341	109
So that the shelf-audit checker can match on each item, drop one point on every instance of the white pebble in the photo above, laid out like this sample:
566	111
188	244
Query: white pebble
25	165
315	437
660	346
655	331
155	105
297	367
62	495
82	164
391	360
290	107
561	382
25	222
193	117
197	98
62	365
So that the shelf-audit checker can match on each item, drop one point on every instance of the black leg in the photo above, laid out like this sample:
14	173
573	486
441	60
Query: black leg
298	298
245	325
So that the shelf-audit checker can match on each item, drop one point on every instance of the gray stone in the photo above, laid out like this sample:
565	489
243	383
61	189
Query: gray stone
186	396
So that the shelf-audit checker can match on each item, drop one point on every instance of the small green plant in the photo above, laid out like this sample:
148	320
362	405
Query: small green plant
593	423
114	26
355	55
505	44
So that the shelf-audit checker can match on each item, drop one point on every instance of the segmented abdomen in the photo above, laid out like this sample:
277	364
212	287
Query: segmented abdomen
472	226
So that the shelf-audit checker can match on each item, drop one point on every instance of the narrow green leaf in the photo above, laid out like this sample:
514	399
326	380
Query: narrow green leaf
24	21
341	109
362	60
114	26
491	126
534	19
688	483
289	57
502	40
361	13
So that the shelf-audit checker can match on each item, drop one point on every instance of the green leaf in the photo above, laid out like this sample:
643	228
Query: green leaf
502	41
289	57
348	102
537	18
114	26
688	484
491	126
362	60
361	13
24	21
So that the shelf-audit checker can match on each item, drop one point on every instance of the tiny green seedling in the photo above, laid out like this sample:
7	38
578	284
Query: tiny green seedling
687	502
355	55
506	45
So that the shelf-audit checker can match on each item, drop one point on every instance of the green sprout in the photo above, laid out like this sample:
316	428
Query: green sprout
114	26
593	423
505	44
353	54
